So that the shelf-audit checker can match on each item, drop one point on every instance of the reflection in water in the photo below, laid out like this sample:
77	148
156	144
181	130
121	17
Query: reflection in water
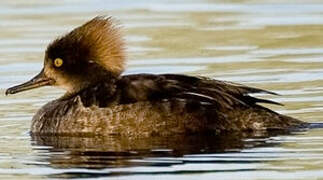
118	153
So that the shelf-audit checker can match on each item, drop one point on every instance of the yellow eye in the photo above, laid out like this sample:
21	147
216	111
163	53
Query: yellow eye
58	62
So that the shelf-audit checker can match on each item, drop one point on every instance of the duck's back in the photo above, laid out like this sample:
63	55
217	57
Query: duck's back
145	104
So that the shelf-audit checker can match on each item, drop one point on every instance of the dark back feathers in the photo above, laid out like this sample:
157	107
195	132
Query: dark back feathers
142	87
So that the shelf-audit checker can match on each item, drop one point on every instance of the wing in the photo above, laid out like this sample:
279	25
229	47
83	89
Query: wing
142	87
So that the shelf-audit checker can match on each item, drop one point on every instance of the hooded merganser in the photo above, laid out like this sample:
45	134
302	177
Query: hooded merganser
88	63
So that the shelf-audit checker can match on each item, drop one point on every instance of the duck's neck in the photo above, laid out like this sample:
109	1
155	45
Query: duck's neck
93	86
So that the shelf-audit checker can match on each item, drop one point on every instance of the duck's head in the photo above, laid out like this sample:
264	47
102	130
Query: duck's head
90	53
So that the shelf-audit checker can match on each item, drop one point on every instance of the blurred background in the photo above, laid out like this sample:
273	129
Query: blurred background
271	44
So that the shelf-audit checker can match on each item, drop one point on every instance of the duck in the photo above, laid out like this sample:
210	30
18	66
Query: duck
88	62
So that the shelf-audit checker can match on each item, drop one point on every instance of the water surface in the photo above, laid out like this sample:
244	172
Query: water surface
276	45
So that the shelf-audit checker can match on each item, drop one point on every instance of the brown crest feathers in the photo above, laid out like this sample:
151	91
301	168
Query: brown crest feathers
97	41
